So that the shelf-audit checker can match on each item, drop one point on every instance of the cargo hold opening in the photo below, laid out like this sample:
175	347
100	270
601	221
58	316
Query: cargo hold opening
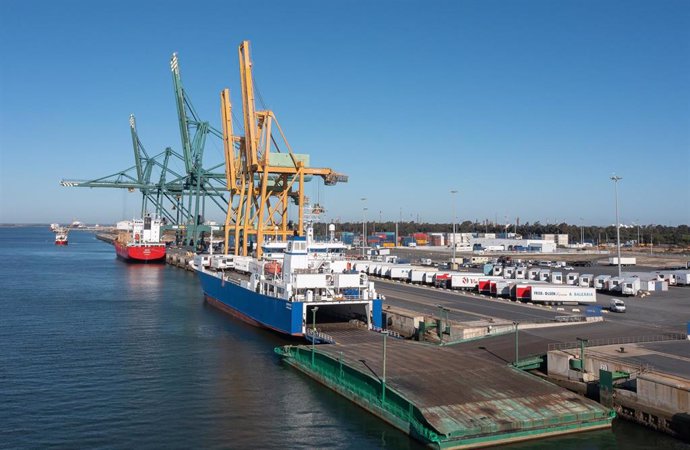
337	313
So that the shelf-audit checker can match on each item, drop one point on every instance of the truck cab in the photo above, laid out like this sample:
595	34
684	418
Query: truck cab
617	305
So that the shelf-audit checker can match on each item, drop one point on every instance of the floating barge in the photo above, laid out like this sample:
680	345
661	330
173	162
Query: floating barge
445	397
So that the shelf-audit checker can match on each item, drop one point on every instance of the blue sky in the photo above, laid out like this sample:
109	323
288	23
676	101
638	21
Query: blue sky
525	107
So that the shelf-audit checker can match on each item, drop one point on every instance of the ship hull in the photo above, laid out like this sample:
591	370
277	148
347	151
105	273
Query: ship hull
140	253
260	310
60	242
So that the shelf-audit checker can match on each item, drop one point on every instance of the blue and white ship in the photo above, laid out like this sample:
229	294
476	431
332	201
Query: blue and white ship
285	295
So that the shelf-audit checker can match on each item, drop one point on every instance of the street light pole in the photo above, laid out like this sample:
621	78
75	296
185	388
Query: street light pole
453	192
516	342
616	179
383	379
364	225
313	336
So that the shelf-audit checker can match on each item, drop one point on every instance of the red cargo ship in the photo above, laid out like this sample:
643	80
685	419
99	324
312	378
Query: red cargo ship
143	244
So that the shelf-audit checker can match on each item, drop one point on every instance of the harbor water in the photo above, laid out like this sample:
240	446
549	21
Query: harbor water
98	353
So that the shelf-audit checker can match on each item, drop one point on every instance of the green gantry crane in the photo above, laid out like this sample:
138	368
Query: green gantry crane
179	197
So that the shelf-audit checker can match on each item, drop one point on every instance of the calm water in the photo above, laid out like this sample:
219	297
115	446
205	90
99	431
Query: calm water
98	353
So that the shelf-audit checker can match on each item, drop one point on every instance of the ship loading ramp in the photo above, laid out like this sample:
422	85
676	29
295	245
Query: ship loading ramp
445	397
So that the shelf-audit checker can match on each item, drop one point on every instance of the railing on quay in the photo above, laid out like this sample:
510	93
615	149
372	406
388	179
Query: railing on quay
619	340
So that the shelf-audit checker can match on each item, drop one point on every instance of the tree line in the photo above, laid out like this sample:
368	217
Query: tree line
654	234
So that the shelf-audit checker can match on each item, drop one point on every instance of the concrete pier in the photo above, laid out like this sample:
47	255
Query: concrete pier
446	397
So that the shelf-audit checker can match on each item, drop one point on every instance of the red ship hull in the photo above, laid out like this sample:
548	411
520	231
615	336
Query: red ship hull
141	252
60	242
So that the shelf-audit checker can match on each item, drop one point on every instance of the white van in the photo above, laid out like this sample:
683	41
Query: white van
617	305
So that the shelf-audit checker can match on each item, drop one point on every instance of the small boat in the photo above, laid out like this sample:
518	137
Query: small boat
61	236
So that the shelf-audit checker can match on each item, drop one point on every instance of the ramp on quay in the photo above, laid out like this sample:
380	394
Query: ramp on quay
446	397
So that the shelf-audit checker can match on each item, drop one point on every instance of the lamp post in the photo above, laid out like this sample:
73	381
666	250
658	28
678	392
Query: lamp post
615	180
383	378
313	336
516	342
364	225
453	192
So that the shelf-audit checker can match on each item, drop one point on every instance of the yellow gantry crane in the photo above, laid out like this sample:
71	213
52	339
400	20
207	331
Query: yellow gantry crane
261	176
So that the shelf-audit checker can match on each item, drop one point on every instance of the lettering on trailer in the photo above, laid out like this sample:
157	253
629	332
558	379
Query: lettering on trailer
570	294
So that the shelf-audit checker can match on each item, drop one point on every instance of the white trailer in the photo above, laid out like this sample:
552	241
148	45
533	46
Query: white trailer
503	288
669	277
465	280
557	277
625	261
600	281
361	267
585	280
497	270
544	275
222	262
429	277
630	286
572	278
416	275
494	248
682	277
399	272
520	273
242	263
509	272
533	273
613	284
559	294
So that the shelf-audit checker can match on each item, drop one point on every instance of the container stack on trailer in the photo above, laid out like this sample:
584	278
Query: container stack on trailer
421	238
